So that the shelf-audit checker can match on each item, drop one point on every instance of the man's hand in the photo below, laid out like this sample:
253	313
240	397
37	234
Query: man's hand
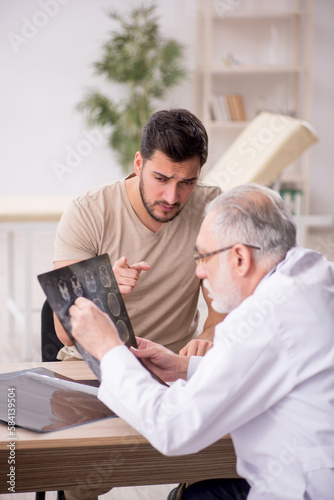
128	276
92	328
203	343
196	347
166	364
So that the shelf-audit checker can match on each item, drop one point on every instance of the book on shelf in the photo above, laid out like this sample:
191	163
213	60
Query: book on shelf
217	109
238	107
227	107
224	105
230	105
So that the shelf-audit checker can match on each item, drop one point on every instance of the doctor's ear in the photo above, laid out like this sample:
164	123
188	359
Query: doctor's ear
138	163
242	259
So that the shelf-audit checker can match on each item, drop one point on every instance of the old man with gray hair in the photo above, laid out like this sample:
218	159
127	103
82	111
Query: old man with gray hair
269	378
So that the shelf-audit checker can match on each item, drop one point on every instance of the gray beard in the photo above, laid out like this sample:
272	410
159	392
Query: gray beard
221	306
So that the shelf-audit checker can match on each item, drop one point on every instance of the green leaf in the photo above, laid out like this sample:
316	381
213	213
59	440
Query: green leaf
139	57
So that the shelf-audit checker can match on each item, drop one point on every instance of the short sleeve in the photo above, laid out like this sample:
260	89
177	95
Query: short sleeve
78	231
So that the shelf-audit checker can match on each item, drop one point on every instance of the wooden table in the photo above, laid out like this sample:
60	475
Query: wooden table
109	452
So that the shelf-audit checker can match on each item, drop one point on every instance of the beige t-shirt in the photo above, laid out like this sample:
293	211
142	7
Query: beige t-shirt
163	305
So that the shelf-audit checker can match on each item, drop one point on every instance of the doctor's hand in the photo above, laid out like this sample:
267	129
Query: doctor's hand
196	347
127	276
92	328
165	363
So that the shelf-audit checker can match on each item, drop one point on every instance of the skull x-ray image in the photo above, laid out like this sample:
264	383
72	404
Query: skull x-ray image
94	279
76	286
99	304
90	281
123	331
104	277
114	305
62	287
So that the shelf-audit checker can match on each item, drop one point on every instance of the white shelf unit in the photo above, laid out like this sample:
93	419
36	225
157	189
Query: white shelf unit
261	50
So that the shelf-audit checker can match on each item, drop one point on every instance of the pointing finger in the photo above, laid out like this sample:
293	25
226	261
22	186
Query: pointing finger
141	266
122	262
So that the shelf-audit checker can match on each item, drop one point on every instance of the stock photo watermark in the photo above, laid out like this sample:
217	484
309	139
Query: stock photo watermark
102	472
259	313
30	28
74	156
262	310
11	410
275	467
250	148
223	7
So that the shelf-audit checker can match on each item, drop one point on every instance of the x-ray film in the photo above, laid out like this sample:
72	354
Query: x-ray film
47	401
94	279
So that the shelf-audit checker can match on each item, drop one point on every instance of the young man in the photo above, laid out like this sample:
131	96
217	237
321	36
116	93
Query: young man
268	380
148	225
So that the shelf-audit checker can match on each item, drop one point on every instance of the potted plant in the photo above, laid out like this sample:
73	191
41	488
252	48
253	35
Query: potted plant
147	64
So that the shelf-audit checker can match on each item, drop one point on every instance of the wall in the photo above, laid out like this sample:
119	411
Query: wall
44	74
321	163
47	50
45	71
322	171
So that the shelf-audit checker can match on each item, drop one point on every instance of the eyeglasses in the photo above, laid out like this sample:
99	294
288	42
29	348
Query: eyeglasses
200	258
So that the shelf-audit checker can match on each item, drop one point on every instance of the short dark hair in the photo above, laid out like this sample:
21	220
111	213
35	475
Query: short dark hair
177	133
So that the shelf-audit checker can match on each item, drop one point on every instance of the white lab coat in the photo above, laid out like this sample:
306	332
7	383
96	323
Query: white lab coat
268	380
